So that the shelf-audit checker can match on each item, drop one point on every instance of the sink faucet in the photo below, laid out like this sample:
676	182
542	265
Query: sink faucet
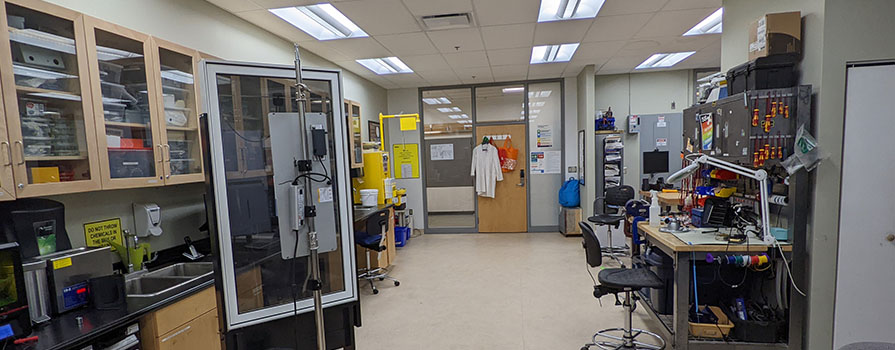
128	247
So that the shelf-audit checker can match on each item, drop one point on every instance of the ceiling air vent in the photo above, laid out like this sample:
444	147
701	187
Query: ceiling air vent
447	21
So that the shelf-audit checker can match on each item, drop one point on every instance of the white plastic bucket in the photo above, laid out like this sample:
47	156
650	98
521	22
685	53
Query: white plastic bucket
369	198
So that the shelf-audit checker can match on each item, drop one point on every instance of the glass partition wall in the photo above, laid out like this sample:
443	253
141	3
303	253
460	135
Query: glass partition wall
450	116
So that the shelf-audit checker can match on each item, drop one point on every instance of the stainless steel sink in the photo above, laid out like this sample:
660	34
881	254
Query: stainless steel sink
169	280
183	270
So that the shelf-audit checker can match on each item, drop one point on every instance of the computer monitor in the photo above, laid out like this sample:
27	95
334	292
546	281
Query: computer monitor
655	162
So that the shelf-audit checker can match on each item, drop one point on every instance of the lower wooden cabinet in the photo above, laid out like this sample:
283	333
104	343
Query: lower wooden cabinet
188	324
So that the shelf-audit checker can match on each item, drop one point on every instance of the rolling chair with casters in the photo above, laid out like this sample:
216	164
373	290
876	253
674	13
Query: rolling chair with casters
617	196
374	243
615	281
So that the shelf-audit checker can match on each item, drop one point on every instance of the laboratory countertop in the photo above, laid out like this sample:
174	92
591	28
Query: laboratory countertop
675	244
63	332
362	213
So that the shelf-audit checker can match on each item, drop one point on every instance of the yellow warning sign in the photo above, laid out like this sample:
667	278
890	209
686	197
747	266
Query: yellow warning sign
62	263
408	123
100	233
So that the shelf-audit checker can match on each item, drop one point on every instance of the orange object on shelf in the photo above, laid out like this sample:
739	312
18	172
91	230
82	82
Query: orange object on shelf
41	175
132	144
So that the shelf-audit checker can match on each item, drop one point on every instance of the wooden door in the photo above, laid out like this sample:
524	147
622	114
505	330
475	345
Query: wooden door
508	210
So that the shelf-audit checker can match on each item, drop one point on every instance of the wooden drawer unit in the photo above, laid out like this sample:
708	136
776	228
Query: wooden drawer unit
189	324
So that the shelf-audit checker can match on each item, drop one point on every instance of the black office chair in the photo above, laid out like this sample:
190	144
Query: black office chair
614	281
616	196
373	240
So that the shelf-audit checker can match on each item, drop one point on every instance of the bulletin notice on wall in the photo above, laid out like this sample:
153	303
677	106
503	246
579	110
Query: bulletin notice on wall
549	162
443	151
101	233
545	135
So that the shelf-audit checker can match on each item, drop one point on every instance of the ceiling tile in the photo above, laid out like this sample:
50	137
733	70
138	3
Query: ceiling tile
358	48
606	28
447	41
508	36
509	73
407	43
377	17
426	62
504	57
640	47
690	4
430	7
470	59
440	77
494	12
274	24
236	5
406	79
481	75
321	49
623	64
626	7
561	32
668	23
546	70
604	49
689	43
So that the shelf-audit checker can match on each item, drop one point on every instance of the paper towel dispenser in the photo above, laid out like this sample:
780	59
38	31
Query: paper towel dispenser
147	219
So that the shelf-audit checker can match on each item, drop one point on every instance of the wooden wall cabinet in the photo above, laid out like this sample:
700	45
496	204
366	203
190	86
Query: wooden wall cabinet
355	142
188	324
90	105
47	100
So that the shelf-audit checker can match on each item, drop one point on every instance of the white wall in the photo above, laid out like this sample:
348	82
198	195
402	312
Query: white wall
585	110
641	93
205	27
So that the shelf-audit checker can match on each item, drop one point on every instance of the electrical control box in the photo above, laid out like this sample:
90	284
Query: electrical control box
754	128
633	124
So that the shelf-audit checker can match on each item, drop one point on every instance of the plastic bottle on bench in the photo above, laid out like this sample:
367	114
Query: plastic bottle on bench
654	209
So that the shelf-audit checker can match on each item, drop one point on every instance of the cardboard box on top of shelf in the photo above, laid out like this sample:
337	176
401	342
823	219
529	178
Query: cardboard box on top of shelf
776	33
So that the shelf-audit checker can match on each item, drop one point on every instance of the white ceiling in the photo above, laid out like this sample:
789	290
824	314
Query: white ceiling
498	46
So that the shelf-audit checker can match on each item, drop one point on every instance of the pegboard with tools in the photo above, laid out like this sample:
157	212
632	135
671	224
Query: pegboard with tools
756	128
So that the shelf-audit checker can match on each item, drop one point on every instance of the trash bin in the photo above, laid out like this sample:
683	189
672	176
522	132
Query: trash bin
663	266
402	235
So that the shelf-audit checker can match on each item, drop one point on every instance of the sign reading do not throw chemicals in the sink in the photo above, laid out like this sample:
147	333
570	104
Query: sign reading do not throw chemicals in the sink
101	233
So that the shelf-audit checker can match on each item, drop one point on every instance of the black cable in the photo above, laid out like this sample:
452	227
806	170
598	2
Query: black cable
721	278
325	173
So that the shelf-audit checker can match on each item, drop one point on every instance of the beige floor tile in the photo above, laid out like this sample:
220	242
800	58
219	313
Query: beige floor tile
488	291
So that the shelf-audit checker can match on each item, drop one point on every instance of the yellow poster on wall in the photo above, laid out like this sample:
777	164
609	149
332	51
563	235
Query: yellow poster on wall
100	233
407	160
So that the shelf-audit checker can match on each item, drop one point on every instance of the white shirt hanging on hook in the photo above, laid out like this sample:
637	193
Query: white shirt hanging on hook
486	169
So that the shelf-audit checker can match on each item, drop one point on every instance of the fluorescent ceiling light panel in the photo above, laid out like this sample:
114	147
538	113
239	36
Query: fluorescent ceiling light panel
431	101
545	93
537	104
444	100
512	90
553	53
322	21
709	25
385	65
560	10
455	116
664	60
444	110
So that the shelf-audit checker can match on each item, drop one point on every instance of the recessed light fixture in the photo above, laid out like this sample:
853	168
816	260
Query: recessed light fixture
437	101
664	60
449	109
458	116
553	53
512	90
385	65
709	25
537	104
322	21
545	93
560	10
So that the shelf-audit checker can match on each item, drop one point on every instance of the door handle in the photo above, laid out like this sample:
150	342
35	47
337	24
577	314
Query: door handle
176	334
168	161
521	178
161	156
21	151
8	153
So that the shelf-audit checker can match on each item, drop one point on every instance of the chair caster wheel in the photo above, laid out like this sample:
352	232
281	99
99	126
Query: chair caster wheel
382	278
376	291
397	283
585	348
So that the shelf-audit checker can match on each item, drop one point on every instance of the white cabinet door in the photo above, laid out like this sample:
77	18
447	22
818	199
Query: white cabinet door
865	275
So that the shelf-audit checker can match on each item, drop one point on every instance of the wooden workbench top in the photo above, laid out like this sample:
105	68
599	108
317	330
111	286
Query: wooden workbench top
676	244
665	198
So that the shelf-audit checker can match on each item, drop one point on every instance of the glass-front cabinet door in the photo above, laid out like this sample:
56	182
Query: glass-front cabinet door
7	189
178	100
131	153
255	139
46	87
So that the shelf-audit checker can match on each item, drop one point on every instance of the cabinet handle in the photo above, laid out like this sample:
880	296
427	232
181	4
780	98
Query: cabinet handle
161	157
176	333
21	151
8	153
168	152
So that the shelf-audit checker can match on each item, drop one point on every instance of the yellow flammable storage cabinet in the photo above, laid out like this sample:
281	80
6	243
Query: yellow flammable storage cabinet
376	176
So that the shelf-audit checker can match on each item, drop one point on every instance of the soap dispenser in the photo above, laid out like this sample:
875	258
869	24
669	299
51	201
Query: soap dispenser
147	219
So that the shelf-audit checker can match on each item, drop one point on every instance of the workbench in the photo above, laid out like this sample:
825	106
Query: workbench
666	199
676	328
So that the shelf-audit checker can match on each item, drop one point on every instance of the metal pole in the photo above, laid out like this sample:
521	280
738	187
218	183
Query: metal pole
313	260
